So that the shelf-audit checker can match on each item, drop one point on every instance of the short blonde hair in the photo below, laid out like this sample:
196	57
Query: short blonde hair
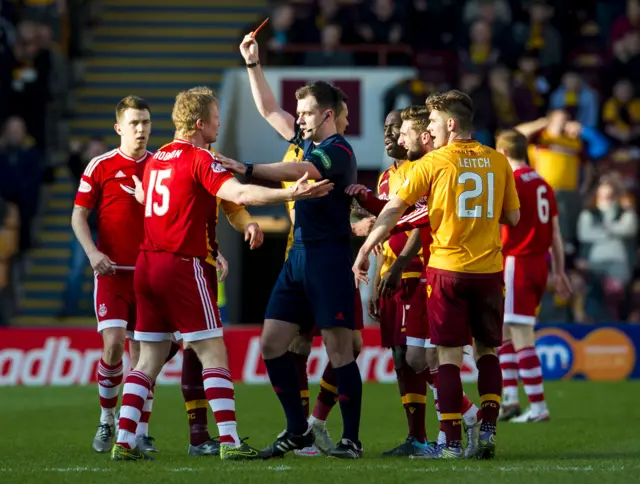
190	106
514	143
419	115
456	104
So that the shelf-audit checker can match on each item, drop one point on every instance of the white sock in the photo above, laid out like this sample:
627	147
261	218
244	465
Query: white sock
316	421
142	428
107	415
538	407
470	417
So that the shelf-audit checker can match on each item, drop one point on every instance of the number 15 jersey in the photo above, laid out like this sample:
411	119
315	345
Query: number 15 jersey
468	186
534	232
179	181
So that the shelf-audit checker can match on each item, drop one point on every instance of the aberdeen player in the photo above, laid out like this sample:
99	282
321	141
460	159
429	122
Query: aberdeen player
107	186
470	190
525	248
172	282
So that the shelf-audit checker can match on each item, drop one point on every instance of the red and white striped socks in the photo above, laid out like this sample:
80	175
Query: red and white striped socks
109	381
136	389
509	367
531	375
218	387
143	425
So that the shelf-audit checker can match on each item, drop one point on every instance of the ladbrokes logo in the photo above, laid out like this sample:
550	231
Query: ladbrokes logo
603	354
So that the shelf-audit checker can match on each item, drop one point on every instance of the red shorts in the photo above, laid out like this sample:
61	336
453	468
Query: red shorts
358	317
397	313
115	302
417	320
464	305
525	280
175	293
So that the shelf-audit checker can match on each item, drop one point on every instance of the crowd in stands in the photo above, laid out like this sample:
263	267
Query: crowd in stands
38	41
566	72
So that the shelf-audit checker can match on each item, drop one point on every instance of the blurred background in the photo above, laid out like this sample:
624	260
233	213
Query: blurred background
569	69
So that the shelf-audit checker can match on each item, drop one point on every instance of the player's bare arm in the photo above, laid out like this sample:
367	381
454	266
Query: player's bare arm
391	279
560	280
283	171
278	118
79	222
387	219
222	267
236	192
532	127
373	303
510	217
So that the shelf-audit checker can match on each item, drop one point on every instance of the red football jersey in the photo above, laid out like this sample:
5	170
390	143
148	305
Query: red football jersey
107	185
179	181
534	232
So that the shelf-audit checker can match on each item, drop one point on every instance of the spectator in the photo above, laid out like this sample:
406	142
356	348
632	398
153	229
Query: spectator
511	104
578	99
20	165
9	222
382	23
330	12
626	58
621	114
496	12
281	31
540	36
329	56
528	76
626	23
481	54
7	35
428	28
607	232
79	158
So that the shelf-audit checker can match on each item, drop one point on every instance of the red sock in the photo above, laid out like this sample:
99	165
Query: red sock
328	395
490	389
509	367
450	401
414	400
136	388
109	381
303	380
195	398
531	374
218	387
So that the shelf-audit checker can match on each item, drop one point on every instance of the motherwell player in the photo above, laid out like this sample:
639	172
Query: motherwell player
470	190
107	186
525	248
173	284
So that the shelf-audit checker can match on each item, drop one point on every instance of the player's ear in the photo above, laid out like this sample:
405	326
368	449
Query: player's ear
451	124
116	128
199	124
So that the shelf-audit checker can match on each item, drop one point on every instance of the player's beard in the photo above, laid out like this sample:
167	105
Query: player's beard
415	154
396	152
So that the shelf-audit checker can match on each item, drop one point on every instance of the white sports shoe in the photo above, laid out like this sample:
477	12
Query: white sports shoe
311	451
529	416
323	439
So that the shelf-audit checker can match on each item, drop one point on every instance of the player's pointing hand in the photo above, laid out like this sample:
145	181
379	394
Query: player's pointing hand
139	191
249	49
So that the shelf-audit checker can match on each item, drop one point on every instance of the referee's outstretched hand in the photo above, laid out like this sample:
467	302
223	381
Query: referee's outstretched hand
303	190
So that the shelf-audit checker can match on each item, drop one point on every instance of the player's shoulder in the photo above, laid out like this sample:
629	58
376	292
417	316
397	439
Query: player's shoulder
99	161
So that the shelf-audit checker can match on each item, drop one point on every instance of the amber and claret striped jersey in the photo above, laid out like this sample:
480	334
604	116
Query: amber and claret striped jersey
534	233
557	159
107	185
237	216
293	154
388	184
178	183
467	186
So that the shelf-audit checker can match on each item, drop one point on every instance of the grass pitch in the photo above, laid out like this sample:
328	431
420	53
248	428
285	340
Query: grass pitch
46	435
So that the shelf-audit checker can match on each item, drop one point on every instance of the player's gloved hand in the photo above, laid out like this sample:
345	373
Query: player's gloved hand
139	191
389	282
101	263
362	228
562	285
361	268
302	189
373	308
249	49
254	235
222	267
360	192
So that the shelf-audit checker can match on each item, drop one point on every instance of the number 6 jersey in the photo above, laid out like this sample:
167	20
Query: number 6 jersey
534	232
180	182
468	186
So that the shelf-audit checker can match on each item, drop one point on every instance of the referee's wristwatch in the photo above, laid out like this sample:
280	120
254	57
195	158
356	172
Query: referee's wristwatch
253	64
248	172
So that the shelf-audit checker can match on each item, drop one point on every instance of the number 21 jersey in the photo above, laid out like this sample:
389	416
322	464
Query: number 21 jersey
179	182
534	232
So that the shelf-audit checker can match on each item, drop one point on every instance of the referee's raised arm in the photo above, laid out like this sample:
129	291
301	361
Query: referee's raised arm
263	96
